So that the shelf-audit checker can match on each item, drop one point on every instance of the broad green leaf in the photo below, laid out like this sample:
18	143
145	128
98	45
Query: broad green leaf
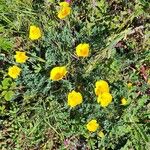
51	1
13	85
6	82
5	87
5	44
2	108
9	95
3	93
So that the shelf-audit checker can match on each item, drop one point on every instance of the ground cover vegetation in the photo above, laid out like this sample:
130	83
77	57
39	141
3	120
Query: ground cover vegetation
74	74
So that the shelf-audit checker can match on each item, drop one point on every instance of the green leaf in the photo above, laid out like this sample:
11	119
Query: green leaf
9	95
13	85
6	82
3	93
5	44
1	29
2	108
5	87
51	1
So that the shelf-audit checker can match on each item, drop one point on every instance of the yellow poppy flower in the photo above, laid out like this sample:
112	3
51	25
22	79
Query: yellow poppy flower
101	134
124	101
21	57
74	98
101	87
104	99
64	11
14	71
92	125
57	73
82	50
64	4
34	33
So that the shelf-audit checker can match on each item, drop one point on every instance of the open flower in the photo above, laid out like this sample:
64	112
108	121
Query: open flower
14	71
34	33
21	57
57	73
64	4
82	50
104	99
92	125
64	10
124	101
74	98
101	87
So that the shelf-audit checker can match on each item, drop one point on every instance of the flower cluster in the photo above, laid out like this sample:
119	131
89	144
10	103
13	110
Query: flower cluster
102	90
57	73
21	57
15	71
64	11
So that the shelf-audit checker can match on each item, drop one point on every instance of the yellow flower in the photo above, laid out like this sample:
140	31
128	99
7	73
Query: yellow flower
104	99
34	33
64	10
101	87
124	101
82	50
21	57
57	73
64	4
74	98
129	85
14	71
101	134
92	125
